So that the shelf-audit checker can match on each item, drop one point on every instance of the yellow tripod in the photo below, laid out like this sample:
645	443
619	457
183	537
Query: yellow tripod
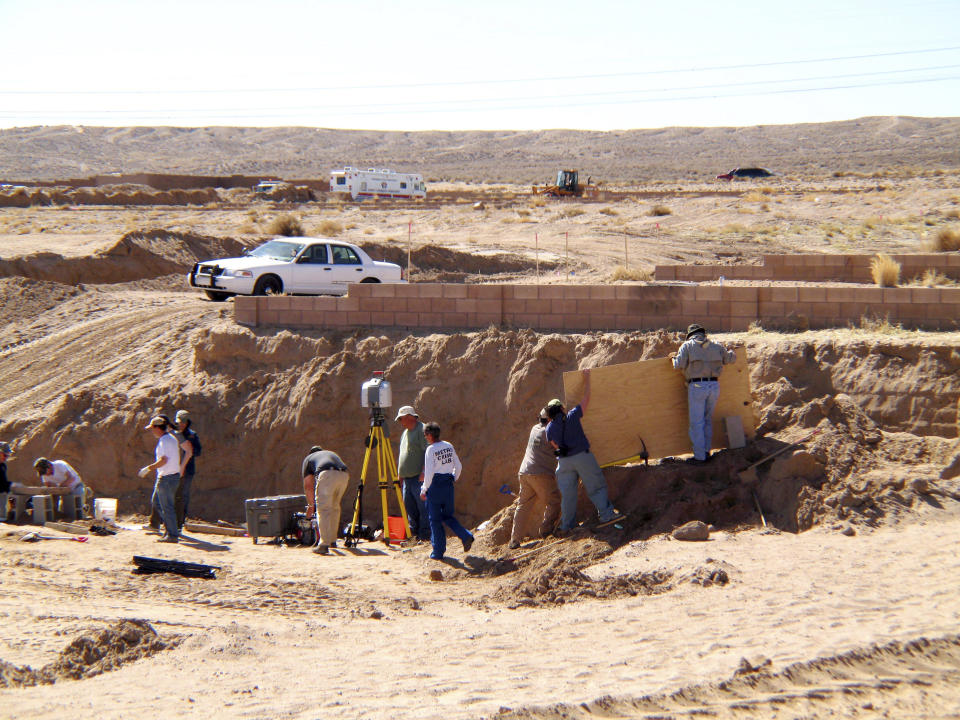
377	443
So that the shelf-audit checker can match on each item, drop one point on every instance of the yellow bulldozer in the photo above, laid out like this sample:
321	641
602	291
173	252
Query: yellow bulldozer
567	185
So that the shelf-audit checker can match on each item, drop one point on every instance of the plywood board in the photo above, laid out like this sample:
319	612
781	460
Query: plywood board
648	399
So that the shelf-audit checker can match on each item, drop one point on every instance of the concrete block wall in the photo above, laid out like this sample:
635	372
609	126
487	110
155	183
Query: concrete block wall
814	268
602	307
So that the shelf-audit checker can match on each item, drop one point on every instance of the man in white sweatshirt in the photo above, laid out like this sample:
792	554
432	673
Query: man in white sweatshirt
441	468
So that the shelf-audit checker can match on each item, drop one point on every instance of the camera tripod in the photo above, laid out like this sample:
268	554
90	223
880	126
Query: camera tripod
378	443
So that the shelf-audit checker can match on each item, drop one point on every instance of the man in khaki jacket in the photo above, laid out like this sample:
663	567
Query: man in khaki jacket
701	361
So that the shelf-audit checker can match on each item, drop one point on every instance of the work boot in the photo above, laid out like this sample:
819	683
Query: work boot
513	545
168	539
467	544
322	549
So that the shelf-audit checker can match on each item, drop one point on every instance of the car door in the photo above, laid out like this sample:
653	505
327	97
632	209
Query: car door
347	267
312	271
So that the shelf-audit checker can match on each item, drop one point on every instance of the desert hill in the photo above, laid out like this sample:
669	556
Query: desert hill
866	145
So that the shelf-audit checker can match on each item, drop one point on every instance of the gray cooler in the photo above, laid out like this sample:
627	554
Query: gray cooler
271	516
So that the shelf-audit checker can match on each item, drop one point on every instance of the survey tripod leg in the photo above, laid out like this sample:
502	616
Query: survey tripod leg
378	444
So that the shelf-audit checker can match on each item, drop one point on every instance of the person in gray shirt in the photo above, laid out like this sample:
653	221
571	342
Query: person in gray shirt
413	445
701	361
537	482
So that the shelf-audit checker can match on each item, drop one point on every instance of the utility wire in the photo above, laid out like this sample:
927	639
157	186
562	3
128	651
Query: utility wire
565	78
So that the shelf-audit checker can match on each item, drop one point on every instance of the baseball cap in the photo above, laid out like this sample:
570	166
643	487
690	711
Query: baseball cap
555	403
157	421
182	415
406	410
5	448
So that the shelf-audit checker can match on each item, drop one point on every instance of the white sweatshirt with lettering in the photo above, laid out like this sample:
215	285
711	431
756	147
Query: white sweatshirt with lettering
440	458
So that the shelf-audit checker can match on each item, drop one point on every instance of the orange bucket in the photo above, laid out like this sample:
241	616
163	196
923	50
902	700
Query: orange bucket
397	529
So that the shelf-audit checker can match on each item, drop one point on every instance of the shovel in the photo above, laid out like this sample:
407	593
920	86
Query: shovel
749	474
34	537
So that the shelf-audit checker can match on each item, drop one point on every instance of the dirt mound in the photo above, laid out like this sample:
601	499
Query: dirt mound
90	654
917	679
448	265
138	255
22	298
105	195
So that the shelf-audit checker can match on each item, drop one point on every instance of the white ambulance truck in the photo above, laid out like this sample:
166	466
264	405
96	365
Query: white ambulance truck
373	183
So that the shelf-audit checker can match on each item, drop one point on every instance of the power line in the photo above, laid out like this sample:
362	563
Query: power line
247	113
565	78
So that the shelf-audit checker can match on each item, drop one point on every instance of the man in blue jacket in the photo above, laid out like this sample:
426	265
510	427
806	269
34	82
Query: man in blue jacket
575	461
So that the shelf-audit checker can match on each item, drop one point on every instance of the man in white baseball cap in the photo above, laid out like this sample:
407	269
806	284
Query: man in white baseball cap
413	446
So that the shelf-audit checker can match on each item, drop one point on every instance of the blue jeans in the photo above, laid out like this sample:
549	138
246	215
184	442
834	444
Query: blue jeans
440	509
582	466
181	499
701	399
164	493
416	508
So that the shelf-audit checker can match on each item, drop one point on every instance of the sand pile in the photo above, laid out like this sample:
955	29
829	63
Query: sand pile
137	255
106	195
90	654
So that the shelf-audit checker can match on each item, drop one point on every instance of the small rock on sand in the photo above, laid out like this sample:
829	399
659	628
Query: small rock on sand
693	530
436	575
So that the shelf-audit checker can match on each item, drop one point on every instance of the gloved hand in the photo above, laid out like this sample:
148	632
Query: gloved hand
144	471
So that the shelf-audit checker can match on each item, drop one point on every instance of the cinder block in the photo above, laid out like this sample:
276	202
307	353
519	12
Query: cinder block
418	305
383	290
924	295
361	290
406	319
383	319
665	272
719	309
245	316
485	292
527	292
603	292
361	317
772	310
269	317
709	293
739	294
589	307
454	291
301	302
950	295
540	306
825	310
551	292
429	290
484	319
344	304
694	309
313	318
896	295
465	305
371	304
576	321
869	295
563	307
841	295
407	290
489	306
812	294
628	292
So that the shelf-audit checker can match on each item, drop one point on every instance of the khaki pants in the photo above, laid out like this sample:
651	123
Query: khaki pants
534	488
331	484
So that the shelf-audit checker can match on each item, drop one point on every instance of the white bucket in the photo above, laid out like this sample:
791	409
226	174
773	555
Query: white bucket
105	509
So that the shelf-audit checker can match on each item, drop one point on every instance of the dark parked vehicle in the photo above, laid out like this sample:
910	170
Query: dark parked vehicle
745	173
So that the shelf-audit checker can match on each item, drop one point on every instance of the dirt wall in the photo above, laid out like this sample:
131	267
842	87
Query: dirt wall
261	399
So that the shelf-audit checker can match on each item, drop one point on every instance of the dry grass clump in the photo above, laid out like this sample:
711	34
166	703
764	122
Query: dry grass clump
933	278
286	225
881	326
659	211
637	274
329	228
608	211
538	202
947	240
885	271
753	196
571	212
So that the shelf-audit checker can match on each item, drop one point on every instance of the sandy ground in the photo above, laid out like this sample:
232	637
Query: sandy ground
284	633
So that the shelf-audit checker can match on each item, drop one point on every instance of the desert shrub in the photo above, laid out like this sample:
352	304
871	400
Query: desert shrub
879	325
947	240
609	211
571	212
625	273
538	202
885	271
753	196
523	212
286	225
328	228
659	211
933	278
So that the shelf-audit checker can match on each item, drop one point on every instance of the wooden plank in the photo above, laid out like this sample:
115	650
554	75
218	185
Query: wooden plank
648	399
67	527
214	529
21	489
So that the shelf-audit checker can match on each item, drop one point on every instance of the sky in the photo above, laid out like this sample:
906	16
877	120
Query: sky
484	65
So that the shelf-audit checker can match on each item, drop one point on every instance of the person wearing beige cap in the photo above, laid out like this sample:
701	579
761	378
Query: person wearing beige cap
413	446
167	466
59	473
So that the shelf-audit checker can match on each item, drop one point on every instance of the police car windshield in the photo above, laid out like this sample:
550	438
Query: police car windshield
278	250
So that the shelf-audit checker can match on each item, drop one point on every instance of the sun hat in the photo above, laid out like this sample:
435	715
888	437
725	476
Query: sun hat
694	329
182	415
406	410
157	421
